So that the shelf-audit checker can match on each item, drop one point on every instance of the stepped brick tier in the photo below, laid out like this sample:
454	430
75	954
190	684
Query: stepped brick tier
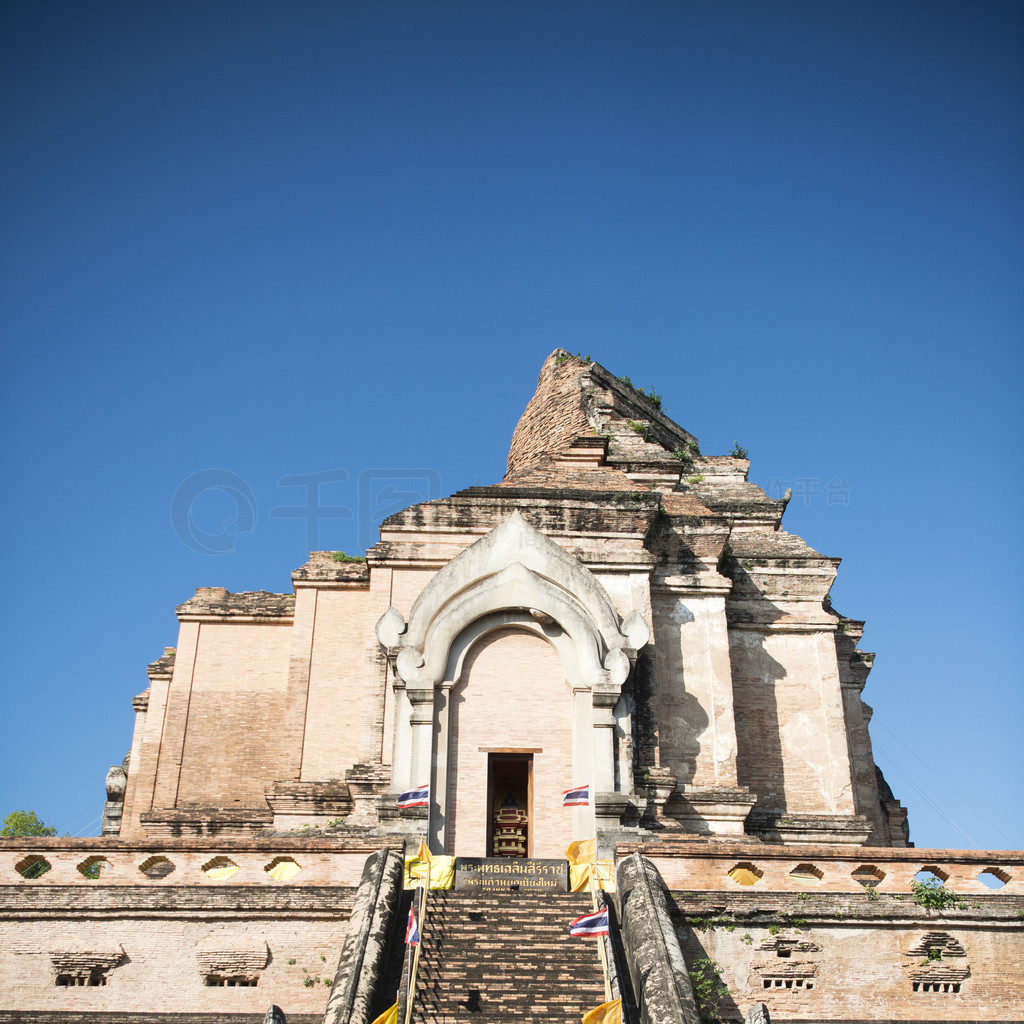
621	611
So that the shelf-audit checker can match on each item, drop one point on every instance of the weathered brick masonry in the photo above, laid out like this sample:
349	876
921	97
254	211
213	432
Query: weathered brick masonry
621	611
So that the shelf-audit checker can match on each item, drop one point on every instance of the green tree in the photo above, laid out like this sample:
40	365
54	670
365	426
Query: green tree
25	823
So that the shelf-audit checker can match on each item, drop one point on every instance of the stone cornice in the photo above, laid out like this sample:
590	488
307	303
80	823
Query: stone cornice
323	571
216	604
163	667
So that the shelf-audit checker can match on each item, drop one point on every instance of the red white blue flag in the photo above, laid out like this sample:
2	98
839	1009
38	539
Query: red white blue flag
578	796
412	931
418	797
590	924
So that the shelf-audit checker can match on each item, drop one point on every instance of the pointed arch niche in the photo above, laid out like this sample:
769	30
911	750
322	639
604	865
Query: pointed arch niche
514	580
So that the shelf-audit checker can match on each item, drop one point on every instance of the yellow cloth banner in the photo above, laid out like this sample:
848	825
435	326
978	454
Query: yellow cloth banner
606	1013
391	1016
442	872
601	873
582	851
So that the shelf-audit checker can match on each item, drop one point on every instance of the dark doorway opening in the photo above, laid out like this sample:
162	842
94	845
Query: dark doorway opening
509	804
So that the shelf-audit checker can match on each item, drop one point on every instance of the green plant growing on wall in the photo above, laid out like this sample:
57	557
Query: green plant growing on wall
738	452
933	954
651	395
708	989
933	895
696	479
340	556
870	892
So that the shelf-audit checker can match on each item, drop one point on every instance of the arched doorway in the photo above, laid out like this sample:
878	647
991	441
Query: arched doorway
511	722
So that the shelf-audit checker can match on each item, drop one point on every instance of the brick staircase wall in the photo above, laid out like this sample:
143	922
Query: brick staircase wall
508	958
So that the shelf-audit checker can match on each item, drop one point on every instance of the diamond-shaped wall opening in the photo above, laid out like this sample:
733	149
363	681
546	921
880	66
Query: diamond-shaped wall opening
33	866
281	869
219	868
994	878
156	867
808	874
932	874
93	867
868	875
745	873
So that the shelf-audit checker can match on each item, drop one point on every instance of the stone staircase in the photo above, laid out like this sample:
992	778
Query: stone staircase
504	958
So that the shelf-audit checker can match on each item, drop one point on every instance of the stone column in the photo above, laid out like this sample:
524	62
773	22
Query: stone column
442	753
421	722
608	802
401	757
582	758
604	740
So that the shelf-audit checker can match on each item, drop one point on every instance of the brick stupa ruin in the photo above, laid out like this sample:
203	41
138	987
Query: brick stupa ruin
621	611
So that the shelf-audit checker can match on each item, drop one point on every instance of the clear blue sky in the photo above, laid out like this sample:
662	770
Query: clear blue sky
287	239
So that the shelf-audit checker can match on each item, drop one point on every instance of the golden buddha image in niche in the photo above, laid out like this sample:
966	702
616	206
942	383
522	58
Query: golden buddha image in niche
510	806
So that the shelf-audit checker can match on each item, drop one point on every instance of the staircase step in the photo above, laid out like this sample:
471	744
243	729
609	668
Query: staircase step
506	957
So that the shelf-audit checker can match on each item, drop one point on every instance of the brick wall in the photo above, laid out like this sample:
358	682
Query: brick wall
161	970
826	960
553	417
237	701
512	696
790	752
337	686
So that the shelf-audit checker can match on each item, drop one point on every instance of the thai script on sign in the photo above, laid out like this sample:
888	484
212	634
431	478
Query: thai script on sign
508	873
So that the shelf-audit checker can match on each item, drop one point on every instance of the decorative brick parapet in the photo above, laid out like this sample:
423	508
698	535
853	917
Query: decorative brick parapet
694	865
187	862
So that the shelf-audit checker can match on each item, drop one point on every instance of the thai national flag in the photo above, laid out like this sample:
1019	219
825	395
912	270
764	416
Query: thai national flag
590	924
412	931
418	797
578	796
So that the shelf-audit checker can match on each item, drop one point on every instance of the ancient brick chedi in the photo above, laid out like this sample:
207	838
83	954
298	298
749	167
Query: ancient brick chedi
620	612
620	608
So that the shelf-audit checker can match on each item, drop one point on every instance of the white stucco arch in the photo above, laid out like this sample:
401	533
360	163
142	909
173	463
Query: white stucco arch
513	572
494	621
